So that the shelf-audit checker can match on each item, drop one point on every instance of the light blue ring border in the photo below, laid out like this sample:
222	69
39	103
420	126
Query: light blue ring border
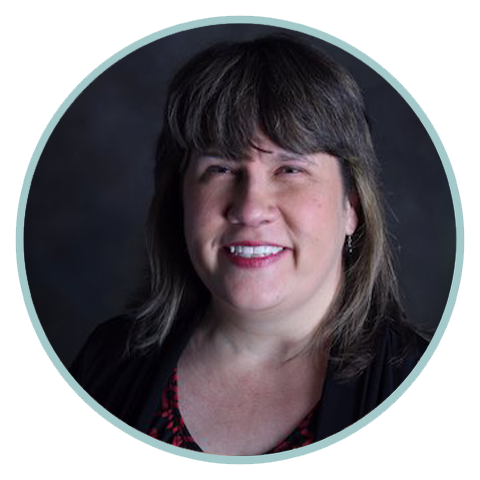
458	259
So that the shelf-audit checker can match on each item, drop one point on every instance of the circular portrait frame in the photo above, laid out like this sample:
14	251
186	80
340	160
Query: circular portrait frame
252	21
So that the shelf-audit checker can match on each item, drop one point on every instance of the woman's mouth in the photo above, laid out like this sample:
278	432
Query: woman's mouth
254	256
254	252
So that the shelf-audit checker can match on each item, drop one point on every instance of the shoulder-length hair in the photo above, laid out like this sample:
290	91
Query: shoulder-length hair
306	103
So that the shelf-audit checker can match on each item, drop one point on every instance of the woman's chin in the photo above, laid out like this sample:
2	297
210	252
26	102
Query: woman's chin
251	302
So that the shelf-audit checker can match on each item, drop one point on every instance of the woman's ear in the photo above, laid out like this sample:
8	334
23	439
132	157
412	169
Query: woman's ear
351	206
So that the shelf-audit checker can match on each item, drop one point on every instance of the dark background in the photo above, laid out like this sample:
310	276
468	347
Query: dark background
88	201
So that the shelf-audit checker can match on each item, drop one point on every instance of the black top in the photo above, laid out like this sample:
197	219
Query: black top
128	386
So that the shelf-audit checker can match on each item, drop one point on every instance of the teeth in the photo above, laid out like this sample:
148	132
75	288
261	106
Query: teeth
249	252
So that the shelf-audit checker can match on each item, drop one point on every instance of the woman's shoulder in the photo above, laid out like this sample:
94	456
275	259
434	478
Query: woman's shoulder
110	337
398	348
395	349
109	354
401	338
119	378
105	347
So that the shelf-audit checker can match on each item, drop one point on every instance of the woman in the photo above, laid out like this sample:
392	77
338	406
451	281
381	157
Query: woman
273	317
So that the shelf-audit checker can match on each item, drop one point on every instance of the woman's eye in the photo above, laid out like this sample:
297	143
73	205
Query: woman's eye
217	171
290	170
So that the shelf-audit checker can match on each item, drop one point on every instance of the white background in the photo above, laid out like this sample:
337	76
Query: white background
47	48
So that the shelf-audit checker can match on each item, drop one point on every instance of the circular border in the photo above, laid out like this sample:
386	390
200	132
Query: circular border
458	256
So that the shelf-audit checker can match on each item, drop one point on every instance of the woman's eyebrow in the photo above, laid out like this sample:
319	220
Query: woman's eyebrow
275	156
211	154
293	157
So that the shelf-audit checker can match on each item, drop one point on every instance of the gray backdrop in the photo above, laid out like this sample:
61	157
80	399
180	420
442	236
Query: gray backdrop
89	196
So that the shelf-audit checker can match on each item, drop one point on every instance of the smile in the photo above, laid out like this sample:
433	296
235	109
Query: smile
254	256
254	252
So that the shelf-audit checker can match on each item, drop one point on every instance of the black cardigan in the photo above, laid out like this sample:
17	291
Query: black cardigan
130	386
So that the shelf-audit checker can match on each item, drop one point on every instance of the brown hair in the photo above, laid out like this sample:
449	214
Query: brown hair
305	103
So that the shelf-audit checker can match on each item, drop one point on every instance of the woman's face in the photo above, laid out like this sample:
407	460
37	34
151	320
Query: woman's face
267	233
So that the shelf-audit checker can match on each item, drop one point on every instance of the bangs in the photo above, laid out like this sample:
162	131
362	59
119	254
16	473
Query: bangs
296	96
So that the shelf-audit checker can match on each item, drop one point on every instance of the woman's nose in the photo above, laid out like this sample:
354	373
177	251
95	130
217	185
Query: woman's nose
252	204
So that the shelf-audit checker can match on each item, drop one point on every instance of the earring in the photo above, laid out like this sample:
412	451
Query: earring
349	245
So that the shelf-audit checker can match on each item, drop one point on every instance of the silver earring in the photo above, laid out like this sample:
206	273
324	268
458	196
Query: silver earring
349	245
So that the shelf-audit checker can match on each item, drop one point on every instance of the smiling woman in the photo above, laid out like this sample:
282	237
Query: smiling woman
273	318
296	209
